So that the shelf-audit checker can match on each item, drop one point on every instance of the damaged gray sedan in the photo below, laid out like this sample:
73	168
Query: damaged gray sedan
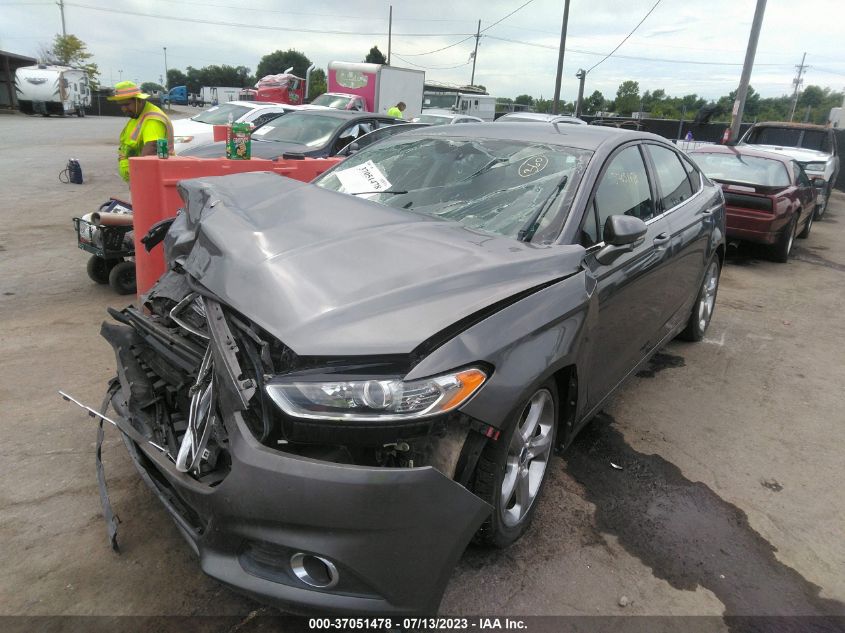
337	385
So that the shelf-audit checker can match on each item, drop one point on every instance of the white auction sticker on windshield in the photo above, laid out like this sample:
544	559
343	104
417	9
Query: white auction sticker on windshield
262	130
363	178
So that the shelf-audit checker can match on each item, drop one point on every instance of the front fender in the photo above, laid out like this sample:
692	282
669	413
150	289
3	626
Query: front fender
525	342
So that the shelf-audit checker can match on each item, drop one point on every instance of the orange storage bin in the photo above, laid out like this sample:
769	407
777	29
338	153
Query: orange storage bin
155	197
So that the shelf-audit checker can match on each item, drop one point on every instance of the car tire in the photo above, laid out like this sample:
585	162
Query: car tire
705	304
821	208
98	268
806	232
122	278
512	470
783	247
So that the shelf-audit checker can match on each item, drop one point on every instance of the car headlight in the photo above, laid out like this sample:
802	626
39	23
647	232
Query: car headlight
814	166
376	399
183	139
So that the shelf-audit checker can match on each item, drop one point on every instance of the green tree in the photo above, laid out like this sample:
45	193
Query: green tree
628	97
232	76
176	77
594	103
69	50
527	100
151	86
316	83
280	61
375	56
545	105
812	96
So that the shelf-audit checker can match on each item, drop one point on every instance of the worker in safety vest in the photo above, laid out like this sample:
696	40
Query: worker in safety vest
146	125
397	110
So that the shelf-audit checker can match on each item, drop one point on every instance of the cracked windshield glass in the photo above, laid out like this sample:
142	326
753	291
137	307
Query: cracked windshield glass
515	189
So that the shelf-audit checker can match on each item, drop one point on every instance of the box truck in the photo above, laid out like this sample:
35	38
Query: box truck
375	87
47	89
207	95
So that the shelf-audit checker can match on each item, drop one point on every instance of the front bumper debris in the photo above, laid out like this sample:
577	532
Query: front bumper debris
394	535
361	529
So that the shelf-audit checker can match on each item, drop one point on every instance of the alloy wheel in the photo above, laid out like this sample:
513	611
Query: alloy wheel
707	297
528	457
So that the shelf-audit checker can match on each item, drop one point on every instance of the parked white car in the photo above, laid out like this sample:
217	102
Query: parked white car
199	129
437	116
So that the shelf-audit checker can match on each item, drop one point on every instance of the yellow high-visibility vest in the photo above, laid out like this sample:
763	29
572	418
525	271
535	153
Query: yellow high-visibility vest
151	125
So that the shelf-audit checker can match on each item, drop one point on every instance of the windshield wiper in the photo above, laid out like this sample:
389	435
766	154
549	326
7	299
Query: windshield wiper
362	193
486	167
530	228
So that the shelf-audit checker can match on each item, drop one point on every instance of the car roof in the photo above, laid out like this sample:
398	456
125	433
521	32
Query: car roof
540	117
742	150
586	137
787	124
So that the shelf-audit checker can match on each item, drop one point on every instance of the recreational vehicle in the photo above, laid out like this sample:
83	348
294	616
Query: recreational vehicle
46	89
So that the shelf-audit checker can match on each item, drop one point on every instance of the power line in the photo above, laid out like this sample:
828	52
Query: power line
519	8
627	36
257	26
437	50
634	57
319	15
832	72
431	67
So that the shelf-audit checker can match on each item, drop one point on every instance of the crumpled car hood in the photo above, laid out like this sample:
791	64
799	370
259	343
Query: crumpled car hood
330	274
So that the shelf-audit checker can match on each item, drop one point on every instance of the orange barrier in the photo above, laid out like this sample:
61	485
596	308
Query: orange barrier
155	197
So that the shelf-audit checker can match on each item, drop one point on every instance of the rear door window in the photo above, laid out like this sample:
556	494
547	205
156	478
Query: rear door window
692	173
671	176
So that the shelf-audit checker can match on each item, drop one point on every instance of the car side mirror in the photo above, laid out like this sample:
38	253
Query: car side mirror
622	234
818	182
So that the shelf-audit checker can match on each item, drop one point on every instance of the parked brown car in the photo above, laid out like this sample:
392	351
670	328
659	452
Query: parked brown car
769	198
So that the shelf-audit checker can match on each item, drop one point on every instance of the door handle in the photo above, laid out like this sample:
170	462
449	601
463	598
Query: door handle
710	211
661	239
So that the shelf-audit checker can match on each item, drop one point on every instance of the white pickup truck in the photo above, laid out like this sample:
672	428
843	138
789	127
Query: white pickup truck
813	146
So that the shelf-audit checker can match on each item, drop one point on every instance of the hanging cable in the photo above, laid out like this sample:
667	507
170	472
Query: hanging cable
256	26
627	36
432	67
437	50
634	57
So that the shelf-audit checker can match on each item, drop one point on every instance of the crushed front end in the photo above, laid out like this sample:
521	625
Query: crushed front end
263	389
348	517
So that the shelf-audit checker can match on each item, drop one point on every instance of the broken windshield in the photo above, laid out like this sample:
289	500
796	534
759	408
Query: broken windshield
512	188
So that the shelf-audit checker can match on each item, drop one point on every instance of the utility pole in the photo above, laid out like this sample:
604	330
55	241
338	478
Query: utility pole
560	56
742	92
797	81
389	33
166	80
62	8
475	53
581	75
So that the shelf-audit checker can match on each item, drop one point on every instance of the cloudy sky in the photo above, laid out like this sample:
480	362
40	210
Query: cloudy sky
684	46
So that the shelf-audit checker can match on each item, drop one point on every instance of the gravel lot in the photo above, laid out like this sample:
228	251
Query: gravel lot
729	501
